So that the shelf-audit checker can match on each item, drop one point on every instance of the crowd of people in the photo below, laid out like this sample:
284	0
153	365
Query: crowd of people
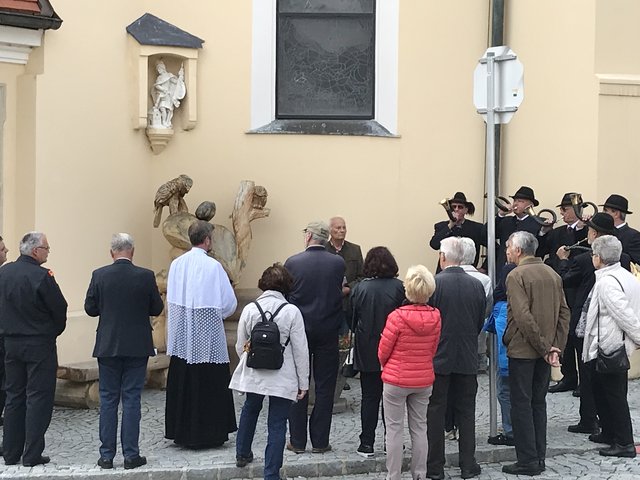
416	344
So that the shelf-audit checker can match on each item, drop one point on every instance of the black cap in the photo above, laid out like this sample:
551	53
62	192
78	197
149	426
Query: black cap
602	223
460	197
566	200
617	202
526	193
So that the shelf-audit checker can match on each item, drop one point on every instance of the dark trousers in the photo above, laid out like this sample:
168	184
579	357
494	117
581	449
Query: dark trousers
30	368
3	395
120	377
610	394
588	415
323	358
276	431
569	368
371	386
529	382
461	389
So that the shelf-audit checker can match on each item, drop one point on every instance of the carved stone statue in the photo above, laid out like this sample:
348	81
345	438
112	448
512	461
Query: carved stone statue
172	194
166	94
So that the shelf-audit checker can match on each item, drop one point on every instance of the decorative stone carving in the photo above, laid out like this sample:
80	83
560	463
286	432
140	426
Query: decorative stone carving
172	194
167	92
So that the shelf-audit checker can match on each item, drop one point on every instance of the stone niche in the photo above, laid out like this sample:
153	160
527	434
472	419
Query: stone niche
150	41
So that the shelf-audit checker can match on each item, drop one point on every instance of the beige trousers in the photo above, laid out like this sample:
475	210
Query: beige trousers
416	400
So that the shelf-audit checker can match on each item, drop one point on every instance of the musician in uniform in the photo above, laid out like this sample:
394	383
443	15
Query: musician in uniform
458	225
618	207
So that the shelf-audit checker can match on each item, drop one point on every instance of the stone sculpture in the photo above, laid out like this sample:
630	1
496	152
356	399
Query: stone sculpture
172	194
167	91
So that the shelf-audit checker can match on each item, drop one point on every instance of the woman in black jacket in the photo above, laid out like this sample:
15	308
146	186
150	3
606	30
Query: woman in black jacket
372	300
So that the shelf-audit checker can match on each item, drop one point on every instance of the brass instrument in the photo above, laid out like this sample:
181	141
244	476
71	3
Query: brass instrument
503	204
545	222
578	205
447	206
577	246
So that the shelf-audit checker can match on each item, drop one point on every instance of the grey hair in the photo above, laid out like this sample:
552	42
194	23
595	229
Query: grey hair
525	241
319	239
30	241
452	249
121	242
608	248
468	251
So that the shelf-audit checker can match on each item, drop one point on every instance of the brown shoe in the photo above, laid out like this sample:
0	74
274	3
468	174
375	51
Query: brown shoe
295	450
321	449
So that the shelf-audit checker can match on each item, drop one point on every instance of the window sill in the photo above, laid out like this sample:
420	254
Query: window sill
368	128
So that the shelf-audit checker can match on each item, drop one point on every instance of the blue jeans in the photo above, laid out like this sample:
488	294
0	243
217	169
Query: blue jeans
276	428
120	377
504	397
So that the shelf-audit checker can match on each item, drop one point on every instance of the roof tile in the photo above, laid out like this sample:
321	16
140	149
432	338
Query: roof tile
24	6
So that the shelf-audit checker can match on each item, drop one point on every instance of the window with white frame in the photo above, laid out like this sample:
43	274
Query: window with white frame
327	63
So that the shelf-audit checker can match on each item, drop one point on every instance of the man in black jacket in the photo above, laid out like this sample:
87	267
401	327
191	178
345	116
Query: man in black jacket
124	296
317	292
461	300
34	313
618	207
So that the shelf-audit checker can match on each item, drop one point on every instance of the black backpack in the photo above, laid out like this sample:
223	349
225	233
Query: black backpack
265	350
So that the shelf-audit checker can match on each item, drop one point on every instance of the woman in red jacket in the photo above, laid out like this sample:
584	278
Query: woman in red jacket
407	347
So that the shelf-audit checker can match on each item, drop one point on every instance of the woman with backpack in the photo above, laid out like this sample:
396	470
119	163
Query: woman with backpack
258	374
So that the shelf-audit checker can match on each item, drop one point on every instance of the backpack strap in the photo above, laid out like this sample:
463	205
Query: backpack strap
275	313
271	315
262	314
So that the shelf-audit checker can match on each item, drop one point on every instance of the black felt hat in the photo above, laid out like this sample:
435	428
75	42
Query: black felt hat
617	202
566	200
526	193
460	197
602	223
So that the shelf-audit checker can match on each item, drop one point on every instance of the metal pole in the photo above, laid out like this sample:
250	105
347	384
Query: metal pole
491	230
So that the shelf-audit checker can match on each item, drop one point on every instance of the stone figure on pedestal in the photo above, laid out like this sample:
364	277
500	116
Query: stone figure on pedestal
166	94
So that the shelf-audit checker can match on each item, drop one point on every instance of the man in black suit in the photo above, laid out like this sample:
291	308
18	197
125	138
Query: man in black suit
461	300
458	226
571	232
578	272
317	292
618	207
521	221
34	313
124	296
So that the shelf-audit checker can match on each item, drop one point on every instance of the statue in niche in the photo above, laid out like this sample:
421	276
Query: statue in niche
172	194
230	248
166	94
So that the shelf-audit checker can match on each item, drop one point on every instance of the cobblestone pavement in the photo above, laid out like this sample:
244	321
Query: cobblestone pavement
72	443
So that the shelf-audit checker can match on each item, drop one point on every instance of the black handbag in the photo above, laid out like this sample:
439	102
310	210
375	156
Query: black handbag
616	361
348	369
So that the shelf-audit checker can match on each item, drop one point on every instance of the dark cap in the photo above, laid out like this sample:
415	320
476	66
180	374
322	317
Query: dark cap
617	202
602	223
566	200
526	193
460	197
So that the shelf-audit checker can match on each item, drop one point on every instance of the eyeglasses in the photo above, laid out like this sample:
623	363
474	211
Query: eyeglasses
458	207
48	249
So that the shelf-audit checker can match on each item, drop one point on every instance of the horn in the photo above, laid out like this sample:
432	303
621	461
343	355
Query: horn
503	203
578	205
545	222
447	206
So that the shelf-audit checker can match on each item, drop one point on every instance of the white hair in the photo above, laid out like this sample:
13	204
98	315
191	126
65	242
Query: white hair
30	241
608	248
451	247
121	242
468	251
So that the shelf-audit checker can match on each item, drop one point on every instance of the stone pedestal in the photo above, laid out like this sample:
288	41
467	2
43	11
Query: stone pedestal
159	138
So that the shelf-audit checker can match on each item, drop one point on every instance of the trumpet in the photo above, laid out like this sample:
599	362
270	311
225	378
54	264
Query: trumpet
578	205
545	222
503	204
577	246
447	206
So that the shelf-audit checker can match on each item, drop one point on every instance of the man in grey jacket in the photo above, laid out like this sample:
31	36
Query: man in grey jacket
537	325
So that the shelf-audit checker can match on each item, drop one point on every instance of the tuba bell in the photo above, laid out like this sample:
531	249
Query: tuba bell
579	205
543	221
447	206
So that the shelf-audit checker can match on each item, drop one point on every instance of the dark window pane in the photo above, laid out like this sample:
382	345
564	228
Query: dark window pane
325	6
325	67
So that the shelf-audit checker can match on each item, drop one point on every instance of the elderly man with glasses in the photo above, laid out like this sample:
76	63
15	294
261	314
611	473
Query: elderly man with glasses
34	313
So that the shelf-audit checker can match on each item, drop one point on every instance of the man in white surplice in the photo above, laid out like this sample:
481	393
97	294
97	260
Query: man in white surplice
199	411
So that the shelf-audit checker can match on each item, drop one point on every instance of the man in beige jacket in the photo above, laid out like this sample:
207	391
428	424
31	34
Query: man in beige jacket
537	326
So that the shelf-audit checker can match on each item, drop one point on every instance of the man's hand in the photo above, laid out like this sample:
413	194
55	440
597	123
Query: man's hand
345	291
553	357
301	394
563	253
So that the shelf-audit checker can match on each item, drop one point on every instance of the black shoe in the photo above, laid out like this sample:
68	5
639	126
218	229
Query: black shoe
581	428
346	386
562	386
501	439
576	392
242	461
600	438
542	465
105	463
472	472
296	450
365	451
530	469
11	462
321	449
134	462
38	461
615	450
435	476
